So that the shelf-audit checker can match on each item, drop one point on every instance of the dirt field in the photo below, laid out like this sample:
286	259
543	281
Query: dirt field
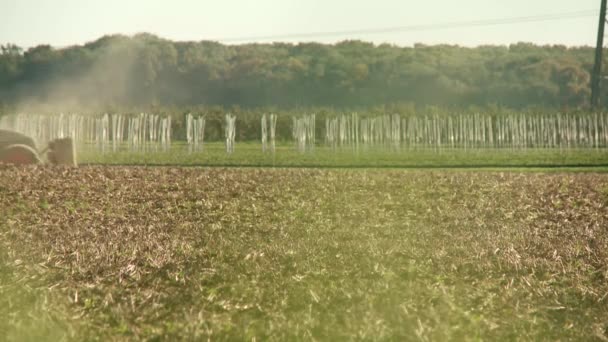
112	253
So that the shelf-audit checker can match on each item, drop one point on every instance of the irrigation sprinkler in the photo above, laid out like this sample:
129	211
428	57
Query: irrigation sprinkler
331	132
131	136
142	131
264	128
117	130
101	132
304	132
190	132
163	133
168	132
152	119
396	130
268	125
273	129
133	133
230	132
195	132
148	132
199	133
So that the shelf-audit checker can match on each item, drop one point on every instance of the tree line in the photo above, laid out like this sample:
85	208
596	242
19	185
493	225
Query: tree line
144	71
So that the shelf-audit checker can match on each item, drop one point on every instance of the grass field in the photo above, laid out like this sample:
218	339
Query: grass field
140	253
286	155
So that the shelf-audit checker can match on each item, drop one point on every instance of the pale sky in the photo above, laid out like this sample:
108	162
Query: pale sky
67	22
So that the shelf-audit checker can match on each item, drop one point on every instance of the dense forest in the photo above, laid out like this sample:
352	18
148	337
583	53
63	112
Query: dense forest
144	70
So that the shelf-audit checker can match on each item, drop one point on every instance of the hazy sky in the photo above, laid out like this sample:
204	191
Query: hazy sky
68	22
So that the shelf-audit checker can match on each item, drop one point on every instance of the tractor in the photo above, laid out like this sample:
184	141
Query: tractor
17	148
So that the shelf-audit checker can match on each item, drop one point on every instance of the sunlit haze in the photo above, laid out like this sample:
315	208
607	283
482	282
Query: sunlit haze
67	22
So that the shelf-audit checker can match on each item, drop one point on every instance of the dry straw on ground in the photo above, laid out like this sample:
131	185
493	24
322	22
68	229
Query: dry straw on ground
138	253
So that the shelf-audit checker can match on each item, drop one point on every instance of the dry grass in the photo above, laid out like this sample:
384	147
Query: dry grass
163	253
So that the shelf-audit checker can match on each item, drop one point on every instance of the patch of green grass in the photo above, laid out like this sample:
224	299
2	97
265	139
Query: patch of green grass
250	154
